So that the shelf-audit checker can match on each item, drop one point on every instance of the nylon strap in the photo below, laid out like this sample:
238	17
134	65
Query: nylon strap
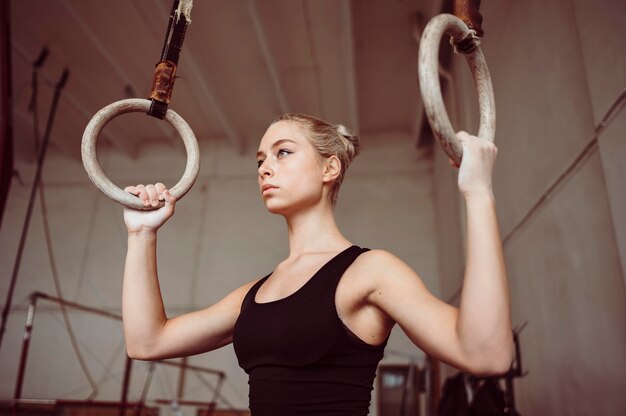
165	72
467	11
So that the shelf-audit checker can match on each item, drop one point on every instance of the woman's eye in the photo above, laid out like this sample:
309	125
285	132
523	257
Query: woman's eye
259	163
283	153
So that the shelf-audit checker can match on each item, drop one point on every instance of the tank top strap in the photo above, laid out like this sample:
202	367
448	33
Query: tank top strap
249	298
325	280
340	264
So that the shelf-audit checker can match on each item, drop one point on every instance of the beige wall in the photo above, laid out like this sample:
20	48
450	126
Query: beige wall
557	67
220	237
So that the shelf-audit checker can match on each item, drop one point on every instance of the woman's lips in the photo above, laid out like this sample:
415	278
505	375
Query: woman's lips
267	188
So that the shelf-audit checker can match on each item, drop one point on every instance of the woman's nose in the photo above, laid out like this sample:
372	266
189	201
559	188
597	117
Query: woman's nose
265	169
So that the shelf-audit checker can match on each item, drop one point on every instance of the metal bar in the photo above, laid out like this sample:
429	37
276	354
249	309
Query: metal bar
127	370
72	403
119	318
586	153
611	112
589	149
28	331
94	403
510	393
218	389
144	391
74	103
34	296
181	379
33	192
510	390
185	402
192	367
77	306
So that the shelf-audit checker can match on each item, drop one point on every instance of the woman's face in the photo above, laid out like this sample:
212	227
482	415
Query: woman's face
290	170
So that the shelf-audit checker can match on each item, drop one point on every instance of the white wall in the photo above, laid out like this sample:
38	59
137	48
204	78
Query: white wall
557	67
220	237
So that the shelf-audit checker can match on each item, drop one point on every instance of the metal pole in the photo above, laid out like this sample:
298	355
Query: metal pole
517	372
218	388
6	100
127	371
28	330
182	375
144	392
77	306
33	193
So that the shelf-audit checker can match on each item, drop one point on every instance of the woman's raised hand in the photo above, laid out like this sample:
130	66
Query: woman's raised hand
149	221
475	172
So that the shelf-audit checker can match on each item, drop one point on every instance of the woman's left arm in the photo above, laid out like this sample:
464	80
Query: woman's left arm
484	320
477	336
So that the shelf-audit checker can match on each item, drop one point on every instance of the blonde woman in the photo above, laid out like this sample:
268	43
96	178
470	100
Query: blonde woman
311	333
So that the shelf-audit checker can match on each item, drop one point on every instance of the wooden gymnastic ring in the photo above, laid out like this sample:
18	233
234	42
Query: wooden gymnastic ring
428	70
97	176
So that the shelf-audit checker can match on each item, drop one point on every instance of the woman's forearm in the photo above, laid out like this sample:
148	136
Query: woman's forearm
484	324
142	306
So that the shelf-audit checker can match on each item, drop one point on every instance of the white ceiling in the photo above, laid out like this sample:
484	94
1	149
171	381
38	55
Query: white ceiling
243	63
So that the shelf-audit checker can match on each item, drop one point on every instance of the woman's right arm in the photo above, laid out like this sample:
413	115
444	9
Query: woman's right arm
149	334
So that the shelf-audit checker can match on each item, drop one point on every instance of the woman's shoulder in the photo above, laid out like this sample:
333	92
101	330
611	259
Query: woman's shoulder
237	295
376	264
374	272
379	258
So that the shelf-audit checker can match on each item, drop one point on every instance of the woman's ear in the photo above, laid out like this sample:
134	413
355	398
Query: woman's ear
332	168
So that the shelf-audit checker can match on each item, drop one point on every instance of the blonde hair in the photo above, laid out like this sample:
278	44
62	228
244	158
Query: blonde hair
329	140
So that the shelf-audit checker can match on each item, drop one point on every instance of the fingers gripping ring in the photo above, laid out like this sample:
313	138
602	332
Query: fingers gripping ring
97	176
428	69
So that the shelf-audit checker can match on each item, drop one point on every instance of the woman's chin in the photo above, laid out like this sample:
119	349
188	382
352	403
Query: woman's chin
284	208
274	207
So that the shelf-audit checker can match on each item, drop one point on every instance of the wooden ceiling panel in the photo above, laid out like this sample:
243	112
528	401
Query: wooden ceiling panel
331	45
233	68
386	62
92	83
284	25
243	63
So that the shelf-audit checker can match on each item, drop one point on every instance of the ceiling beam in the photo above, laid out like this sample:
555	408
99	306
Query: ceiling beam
310	34
71	99
348	47
267	56
206	93
99	45
418	121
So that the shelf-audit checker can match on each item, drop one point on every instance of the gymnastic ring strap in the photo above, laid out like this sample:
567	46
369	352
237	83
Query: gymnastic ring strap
468	12
165	71
97	176
430	88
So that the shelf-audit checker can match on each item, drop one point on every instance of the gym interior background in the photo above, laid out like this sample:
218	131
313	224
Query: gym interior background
558	71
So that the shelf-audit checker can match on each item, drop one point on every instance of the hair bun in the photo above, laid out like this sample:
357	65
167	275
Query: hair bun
343	130
329	140
351	141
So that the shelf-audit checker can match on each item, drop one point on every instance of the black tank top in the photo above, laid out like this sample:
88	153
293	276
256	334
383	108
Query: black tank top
300	358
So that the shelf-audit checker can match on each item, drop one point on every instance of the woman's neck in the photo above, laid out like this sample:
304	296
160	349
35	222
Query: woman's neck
314	230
